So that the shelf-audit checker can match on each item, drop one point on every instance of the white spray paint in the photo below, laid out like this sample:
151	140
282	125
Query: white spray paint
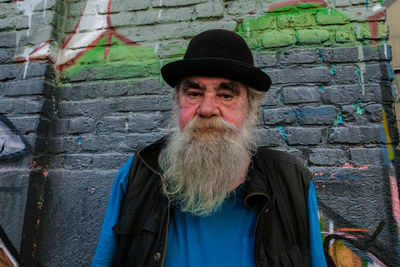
385	50
156	48
27	7
361	65
25	54
44	8
87	31
159	14
376	7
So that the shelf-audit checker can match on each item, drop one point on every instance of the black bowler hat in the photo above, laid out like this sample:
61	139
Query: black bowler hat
217	53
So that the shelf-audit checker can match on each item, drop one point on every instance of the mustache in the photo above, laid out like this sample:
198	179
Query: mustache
199	126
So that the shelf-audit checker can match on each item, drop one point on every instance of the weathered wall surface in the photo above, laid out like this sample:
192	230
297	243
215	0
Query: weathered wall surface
81	91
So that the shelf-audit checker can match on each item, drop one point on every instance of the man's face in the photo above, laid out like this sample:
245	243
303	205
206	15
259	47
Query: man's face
209	97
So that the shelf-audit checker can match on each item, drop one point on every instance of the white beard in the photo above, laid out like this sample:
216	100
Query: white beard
204	161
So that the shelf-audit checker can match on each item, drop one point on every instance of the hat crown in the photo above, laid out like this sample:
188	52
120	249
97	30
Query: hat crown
219	43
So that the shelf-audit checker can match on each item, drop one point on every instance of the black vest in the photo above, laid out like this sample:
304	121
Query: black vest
277	185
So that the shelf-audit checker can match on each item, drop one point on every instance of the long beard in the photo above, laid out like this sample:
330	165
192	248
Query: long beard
202	162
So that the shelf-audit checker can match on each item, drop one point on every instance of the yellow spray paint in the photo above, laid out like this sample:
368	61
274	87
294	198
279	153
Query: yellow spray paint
388	139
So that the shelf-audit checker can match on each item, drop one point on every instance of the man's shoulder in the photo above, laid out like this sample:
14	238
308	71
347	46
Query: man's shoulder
279	157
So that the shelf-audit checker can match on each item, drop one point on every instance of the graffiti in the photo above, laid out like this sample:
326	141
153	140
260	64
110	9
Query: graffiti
12	145
8	254
349	247
93	40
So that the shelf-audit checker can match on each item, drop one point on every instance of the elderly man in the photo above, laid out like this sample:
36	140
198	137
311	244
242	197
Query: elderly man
206	195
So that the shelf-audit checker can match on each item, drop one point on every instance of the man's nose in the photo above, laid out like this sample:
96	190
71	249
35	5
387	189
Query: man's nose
208	107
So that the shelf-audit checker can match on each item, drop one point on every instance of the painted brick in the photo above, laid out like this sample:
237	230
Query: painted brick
304	136
278	116
265	60
312	36
389	94
240	7
295	95
348	113
340	55
316	115
365	32
273	96
350	94
300	75
24	87
298	56
327	156
294	20
209	9
356	135
277	38
266	22
331	17
140	103
342	3
6	9
270	138
133	5
361	156
345	34
175	3
25	124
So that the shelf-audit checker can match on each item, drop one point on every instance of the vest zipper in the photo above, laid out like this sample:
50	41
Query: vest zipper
263	212
168	211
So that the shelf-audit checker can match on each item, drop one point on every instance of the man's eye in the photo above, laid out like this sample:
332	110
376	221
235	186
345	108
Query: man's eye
193	94
226	96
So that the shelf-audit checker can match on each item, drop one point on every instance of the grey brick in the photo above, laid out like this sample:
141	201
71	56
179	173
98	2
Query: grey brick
382	52
133	5
24	87
6	55
81	125
177	14
304	136
300	75
340	55
378	72
60	126
388	91
110	89
350	94
348	113
92	109
7	9
8	72
278	116
294	95
8	23
209	9
136	122
298	56
133	142
374	112
6	106
316	115
344	74
49	4
265	60
273	96
25	124
270	138
8	39
240	7
174	3
140	103
356	135
27	105
360	156
327	157
35	69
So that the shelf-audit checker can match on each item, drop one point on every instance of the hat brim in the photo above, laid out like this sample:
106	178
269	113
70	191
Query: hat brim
216	67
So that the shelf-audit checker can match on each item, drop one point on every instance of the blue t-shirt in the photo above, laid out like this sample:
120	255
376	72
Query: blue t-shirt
107	246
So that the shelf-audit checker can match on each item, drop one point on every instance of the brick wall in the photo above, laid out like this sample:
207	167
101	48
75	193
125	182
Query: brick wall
81	89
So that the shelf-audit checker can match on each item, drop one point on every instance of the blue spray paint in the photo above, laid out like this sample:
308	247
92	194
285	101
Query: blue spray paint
339	120
333	70
357	71
320	55
321	88
282	132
